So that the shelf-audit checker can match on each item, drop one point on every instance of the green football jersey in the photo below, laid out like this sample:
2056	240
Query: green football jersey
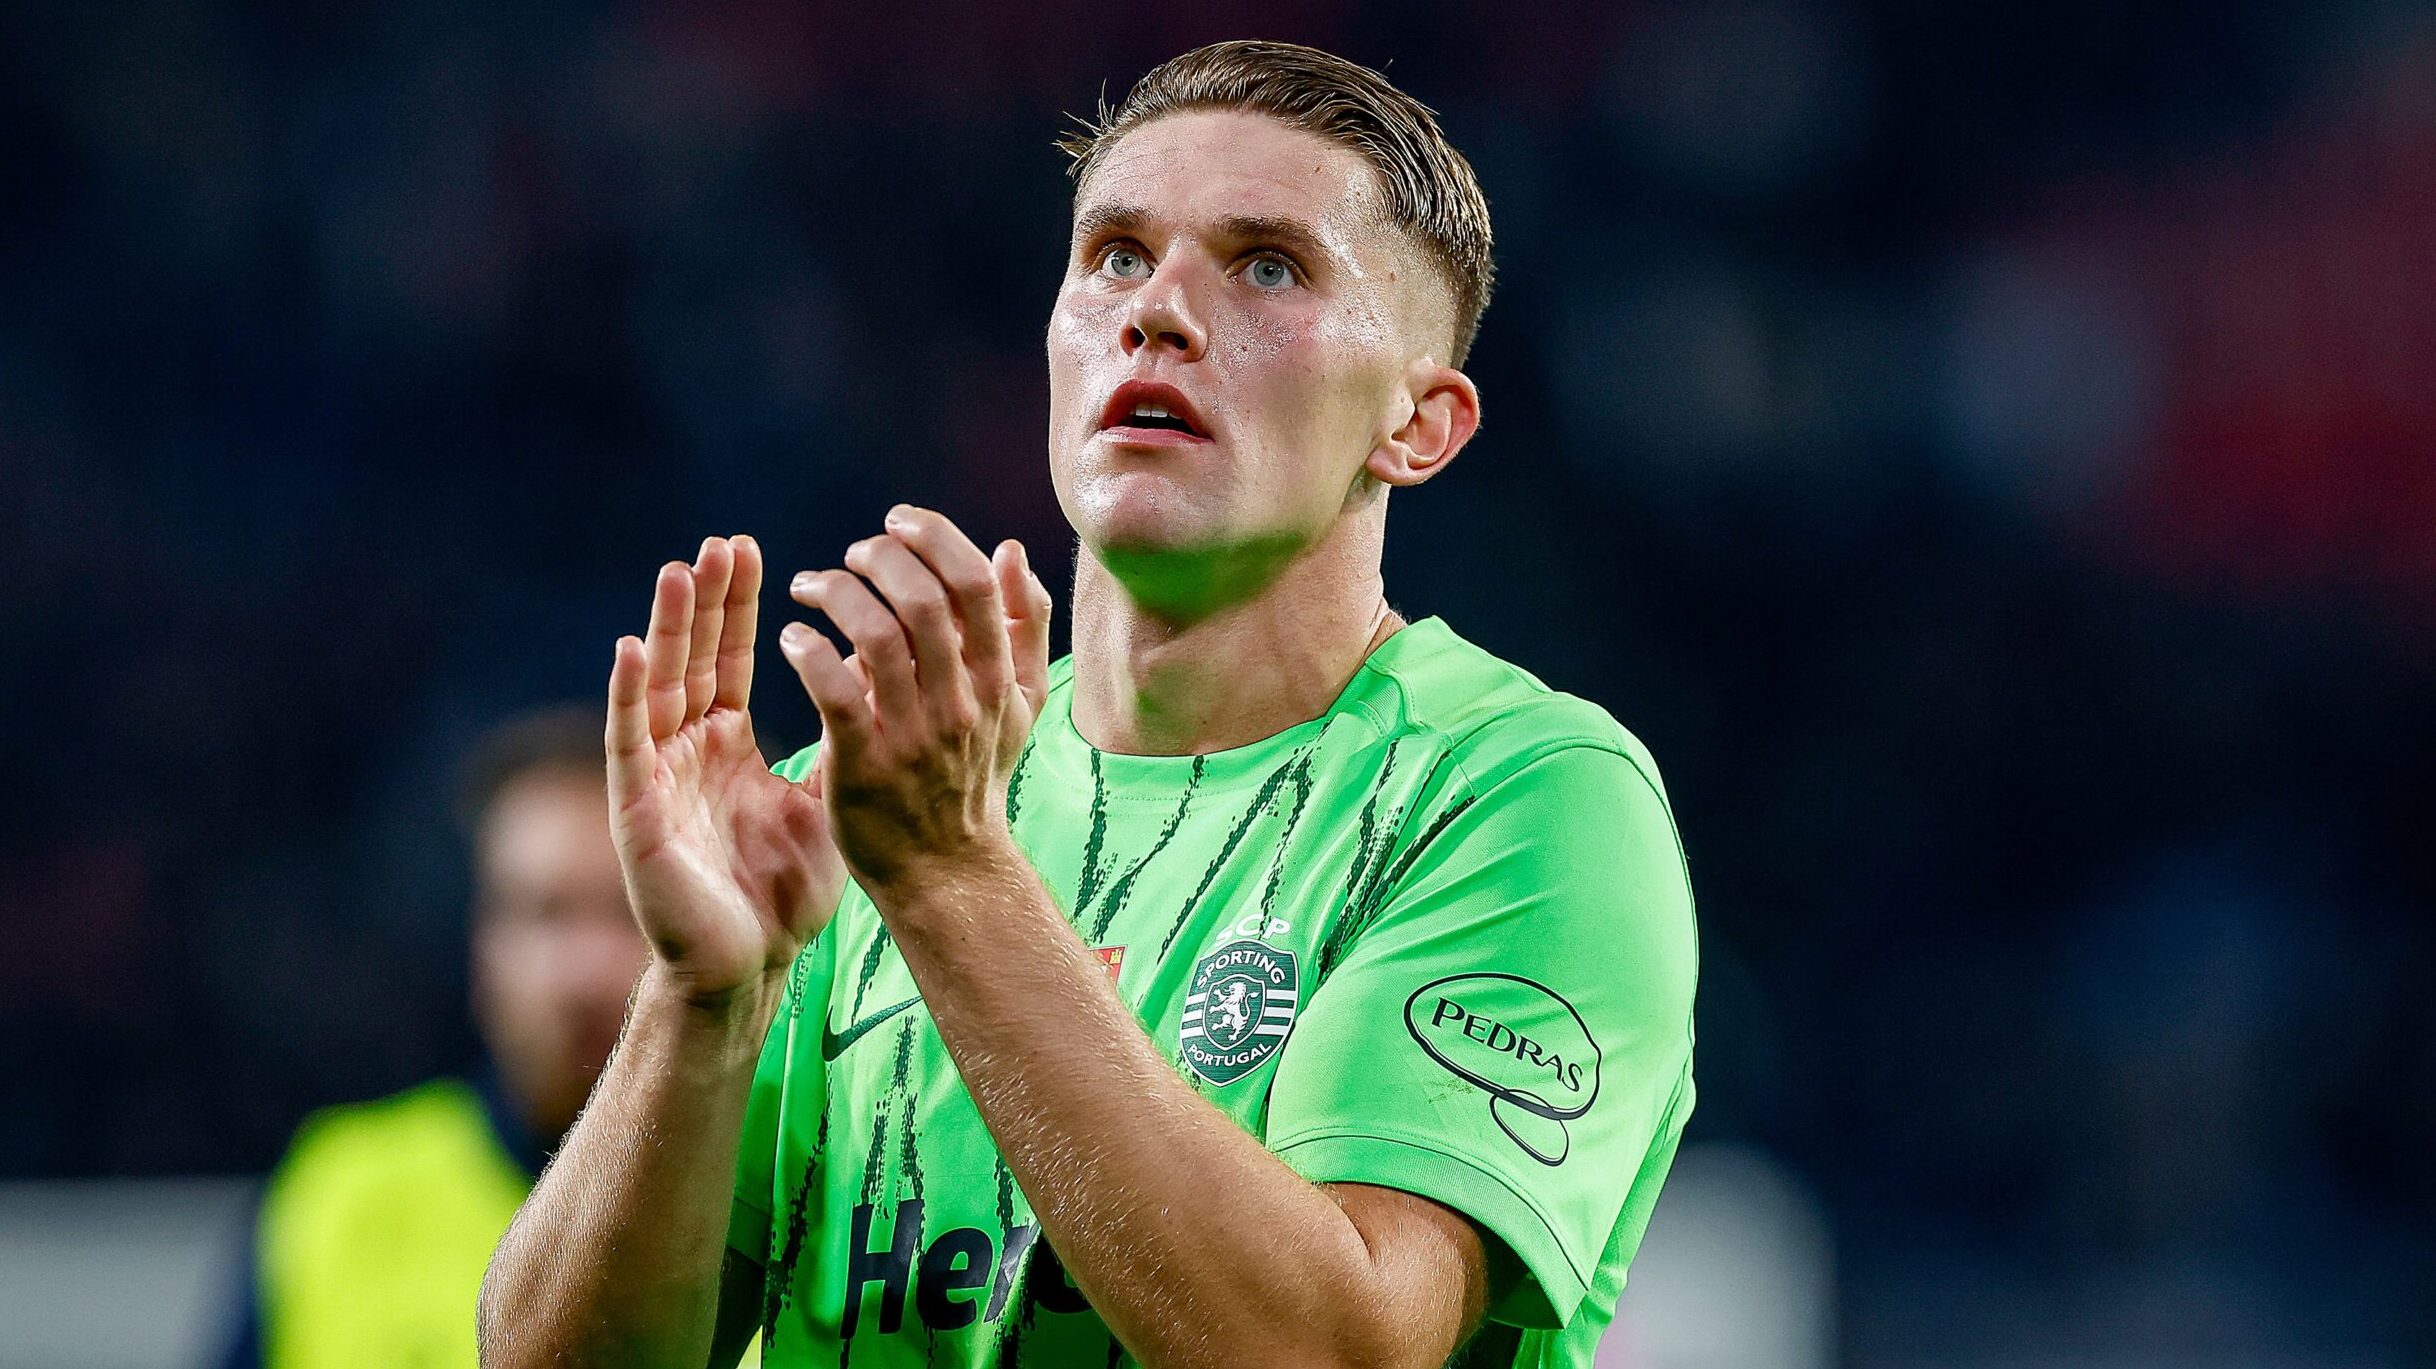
1437	939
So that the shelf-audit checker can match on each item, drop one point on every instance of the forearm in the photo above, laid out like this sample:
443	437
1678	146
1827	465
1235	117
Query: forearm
1192	1241
615	1257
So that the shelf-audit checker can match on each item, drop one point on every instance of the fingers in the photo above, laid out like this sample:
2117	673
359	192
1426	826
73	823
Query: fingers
837	692
972	591
665	646
714	567
939	631
1028	607
928	617
879	643
628	741
739	620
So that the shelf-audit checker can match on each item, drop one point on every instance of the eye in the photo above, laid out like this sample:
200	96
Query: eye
1269	273
1124	263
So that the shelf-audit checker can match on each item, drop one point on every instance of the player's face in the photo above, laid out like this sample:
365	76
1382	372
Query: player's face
1236	273
555	949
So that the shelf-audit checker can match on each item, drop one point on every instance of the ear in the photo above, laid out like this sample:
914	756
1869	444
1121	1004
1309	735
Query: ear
1445	413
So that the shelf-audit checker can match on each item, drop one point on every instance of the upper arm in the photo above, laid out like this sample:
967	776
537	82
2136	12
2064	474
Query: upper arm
1432	1266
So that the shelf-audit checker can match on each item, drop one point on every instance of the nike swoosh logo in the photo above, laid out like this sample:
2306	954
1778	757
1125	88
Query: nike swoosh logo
834	1043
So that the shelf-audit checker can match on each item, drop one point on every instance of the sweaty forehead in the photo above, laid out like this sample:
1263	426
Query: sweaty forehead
1196	169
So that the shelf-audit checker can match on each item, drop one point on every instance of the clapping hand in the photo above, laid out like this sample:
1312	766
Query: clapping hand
729	868
923	724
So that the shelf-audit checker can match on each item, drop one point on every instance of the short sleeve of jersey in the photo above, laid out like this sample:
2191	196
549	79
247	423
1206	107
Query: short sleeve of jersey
1511	1035
748	1224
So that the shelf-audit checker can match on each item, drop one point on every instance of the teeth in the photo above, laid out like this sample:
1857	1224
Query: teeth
1150	411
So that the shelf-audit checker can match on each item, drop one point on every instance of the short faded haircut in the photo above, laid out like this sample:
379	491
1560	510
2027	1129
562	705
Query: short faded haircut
1428	189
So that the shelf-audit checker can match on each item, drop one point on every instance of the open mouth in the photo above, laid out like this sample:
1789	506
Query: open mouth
1151	416
1140	408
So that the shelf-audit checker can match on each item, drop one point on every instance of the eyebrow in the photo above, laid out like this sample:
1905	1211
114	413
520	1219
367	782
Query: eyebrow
1124	220
1103	220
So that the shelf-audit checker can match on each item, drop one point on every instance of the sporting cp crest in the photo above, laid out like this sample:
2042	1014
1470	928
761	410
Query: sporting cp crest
1238	1010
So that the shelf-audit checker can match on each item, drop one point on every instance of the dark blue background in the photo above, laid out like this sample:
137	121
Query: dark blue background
1986	451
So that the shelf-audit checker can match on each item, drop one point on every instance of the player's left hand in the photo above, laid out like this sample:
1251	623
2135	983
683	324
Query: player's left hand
923	724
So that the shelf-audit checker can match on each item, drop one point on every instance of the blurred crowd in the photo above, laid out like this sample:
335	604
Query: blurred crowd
1989	453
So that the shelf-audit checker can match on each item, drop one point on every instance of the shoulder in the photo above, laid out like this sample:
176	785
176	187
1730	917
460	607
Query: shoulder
1552	809
1494	720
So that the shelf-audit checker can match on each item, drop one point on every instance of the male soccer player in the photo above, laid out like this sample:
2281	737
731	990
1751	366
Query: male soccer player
1269	982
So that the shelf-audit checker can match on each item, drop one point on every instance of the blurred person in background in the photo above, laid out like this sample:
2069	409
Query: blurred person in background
371	1237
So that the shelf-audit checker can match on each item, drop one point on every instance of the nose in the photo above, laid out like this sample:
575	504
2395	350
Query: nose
1163	315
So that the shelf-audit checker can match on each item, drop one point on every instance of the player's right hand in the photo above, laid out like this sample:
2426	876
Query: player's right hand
729	869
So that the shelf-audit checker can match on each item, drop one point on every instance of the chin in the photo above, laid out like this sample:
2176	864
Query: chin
1137	513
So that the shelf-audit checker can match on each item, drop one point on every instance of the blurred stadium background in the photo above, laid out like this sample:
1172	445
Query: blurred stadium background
1987	451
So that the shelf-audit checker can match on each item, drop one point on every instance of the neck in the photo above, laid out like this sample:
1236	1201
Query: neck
1152	684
